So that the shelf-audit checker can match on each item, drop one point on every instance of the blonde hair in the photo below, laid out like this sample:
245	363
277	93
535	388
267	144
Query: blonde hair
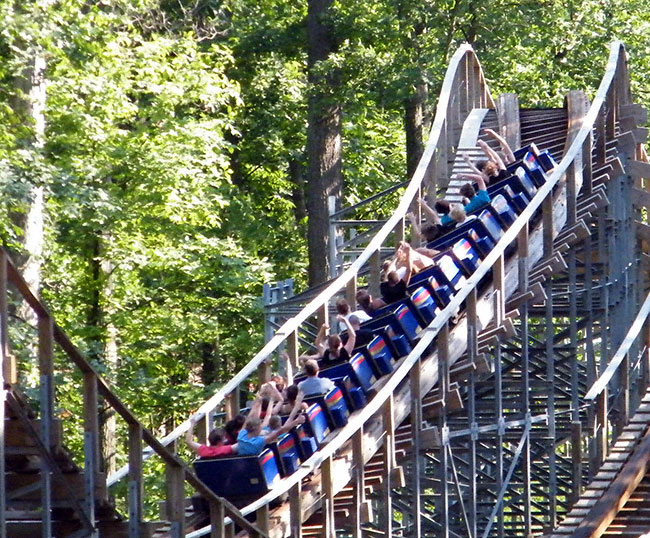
457	213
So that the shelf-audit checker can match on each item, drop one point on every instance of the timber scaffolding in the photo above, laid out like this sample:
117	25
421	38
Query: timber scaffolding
491	426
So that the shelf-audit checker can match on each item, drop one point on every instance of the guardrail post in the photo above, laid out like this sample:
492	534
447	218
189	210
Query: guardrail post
388	463
416	426
327	504
135	480
358	491
217	515
443	384
46	367
292	353
232	404
175	505
375	268
295	514
262	519
351	292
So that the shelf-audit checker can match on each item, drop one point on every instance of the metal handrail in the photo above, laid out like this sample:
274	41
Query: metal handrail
428	334
601	383
339	283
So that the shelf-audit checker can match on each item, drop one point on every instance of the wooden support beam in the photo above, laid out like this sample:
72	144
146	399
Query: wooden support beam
534	293
508	117
642	230
640	198
635	111
327	504
638	169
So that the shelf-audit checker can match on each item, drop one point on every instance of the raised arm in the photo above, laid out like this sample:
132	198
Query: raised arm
300	419
189	437
505	147
492	155
352	335
297	406
319	344
430	213
320	338
414	224
481	183
276	395
409	262
471	165
472	177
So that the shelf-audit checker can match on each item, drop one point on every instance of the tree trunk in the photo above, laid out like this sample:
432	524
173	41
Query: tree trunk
413	125
323	138
298	191
32	85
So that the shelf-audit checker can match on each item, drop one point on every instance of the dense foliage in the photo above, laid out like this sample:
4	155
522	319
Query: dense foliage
174	156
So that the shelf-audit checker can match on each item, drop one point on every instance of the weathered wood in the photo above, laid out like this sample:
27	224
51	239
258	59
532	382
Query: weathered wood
508	117
604	511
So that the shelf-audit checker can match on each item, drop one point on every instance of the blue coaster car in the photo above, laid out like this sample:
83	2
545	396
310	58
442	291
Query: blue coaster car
305	443
286	454
316	423
357	370
333	403
239	478
503	211
380	355
425	303
401	319
467	258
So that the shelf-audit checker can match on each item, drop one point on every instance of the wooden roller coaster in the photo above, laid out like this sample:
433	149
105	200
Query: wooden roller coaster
519	392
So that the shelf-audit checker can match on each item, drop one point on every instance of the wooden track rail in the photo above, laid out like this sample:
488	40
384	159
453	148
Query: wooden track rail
514	281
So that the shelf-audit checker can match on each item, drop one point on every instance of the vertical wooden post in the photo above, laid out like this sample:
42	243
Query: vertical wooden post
295	515
264	371
293	352
135	480
358	492
388	462
327	506
232	404
46	366
217	515
351	293
416	426
375	268
175	499
262	519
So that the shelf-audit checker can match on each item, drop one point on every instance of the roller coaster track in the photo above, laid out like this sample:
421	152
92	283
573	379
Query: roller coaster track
491	426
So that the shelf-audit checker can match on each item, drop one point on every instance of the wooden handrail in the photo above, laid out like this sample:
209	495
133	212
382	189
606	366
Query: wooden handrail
15	277
464	53
635	329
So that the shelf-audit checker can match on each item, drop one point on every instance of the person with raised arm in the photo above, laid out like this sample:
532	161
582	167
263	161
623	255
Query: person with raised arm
506	150
217	446
252	438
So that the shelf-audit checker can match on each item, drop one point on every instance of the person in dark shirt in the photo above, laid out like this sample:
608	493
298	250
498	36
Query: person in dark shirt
368	303
363	336
335	352
394	288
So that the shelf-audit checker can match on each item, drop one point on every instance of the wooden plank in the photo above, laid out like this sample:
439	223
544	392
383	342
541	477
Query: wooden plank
638	169
640	198
636	111
605	510
508	118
